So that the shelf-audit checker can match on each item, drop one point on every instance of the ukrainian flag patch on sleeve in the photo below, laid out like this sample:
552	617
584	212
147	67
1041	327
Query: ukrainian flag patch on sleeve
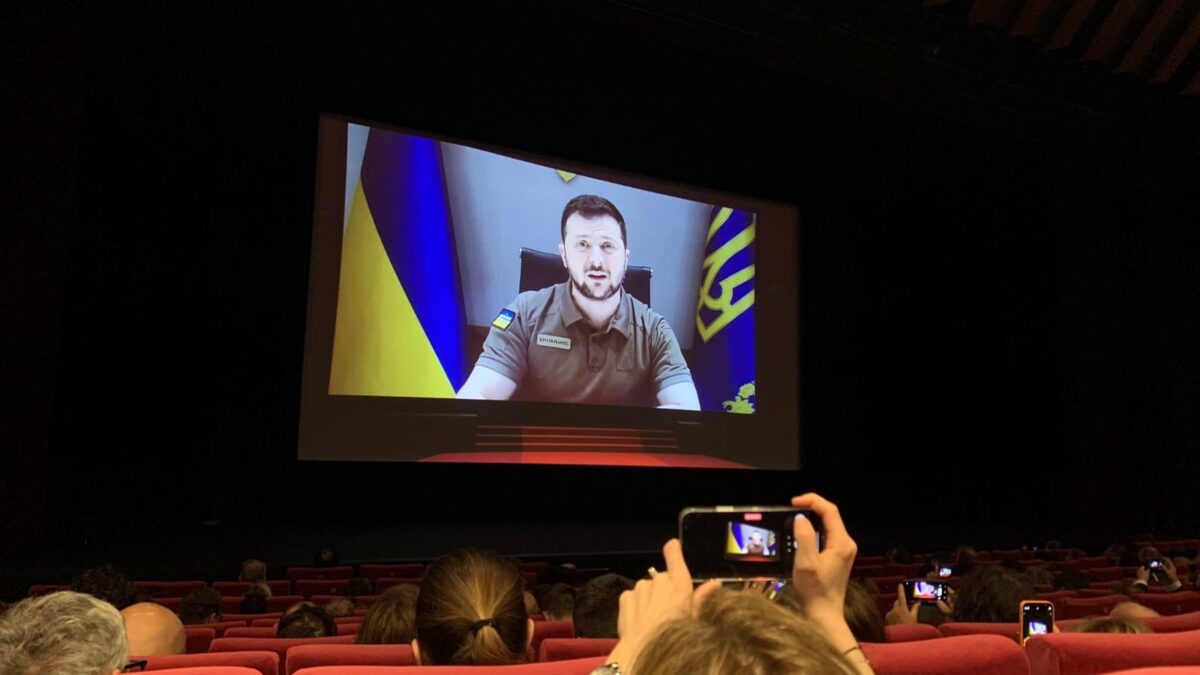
506	316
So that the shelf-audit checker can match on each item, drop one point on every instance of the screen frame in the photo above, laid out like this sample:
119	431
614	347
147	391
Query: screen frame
366	428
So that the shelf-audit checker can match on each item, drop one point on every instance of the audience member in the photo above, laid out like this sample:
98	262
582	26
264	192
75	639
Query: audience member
357	587
1109	625
596	605
861	612
262	588
991	595
253	602
900	556
253	570
201	605
471	611
340	607
558	602
1131	610
108	584
965	561
64	633
1072	580
531	604
153	630
1125	588
392	619
1039	575
305	620
325	557
3	607
667	626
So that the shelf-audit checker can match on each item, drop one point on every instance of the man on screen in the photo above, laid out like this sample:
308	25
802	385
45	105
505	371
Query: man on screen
585	340
755	545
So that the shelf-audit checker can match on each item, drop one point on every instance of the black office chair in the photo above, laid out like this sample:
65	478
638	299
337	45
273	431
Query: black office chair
540	269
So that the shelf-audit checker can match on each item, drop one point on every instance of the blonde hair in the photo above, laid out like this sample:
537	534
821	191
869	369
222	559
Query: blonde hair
739	633
64	633
471	611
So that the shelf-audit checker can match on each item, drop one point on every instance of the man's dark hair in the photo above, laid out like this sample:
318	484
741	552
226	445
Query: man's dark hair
358	586
326	556
200	604
108	584
592	206
253	570
306	620
596	606
254	603
991	595
558	601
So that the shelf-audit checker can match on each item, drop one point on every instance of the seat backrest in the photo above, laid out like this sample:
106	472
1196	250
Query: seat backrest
1173	624
902	569
250	619
565	649
272	644
1107	573
1170	603
198	639
1078	608
239	588
1078	653
367	600
311	587
266	663
1161	670
910	632
313	656
295	574
540	269
210	670
404	571
953	628
42	589
275	603
384	583
251	632
173	604
168	589
964	655
550	629
573	667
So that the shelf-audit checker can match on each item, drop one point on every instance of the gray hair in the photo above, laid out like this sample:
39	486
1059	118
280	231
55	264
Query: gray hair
65	633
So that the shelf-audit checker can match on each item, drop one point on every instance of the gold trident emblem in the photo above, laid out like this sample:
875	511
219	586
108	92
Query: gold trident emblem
728	311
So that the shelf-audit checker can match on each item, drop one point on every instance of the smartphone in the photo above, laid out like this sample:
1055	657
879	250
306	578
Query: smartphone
1155	565
736	543
925	591
944	571
1037	618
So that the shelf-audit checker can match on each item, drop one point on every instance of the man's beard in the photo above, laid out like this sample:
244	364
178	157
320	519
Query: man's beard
584	289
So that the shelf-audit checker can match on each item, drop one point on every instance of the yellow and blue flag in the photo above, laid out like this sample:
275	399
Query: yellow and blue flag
401	323
723	352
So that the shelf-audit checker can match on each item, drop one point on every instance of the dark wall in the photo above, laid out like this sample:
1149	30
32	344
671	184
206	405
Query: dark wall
997	325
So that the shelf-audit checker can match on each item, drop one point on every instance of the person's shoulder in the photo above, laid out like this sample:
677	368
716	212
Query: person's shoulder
533	301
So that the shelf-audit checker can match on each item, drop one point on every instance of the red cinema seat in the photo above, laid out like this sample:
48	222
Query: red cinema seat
867	571
1069	565
550	629
565	649
1161	670
1107	573
270	621
42	589
867	560
314	656
239	588
367	600
251	632
960	628
219	627
198	639
1026	563
1078	608
1170	603
295	574
1079	653
1093	562
405	571
275	603
535	568
210	670
383	584
311	587
248	619
348	619
1009	554
910	632
173	604
530	580
168	589
575	667
272	644
888	584
1044	588
266	663
348	628
1173	624
966	655
902	569
1056	595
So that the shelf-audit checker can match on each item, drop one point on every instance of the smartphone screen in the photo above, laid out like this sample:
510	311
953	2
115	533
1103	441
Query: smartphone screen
922	590
733	543
945	571
1037	618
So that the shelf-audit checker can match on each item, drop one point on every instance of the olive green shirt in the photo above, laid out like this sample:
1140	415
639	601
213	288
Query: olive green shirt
553	354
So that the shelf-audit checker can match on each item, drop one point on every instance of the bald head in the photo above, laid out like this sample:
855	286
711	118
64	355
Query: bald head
153	630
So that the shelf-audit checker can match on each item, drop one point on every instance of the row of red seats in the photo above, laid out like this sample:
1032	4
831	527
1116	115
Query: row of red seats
1058	654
